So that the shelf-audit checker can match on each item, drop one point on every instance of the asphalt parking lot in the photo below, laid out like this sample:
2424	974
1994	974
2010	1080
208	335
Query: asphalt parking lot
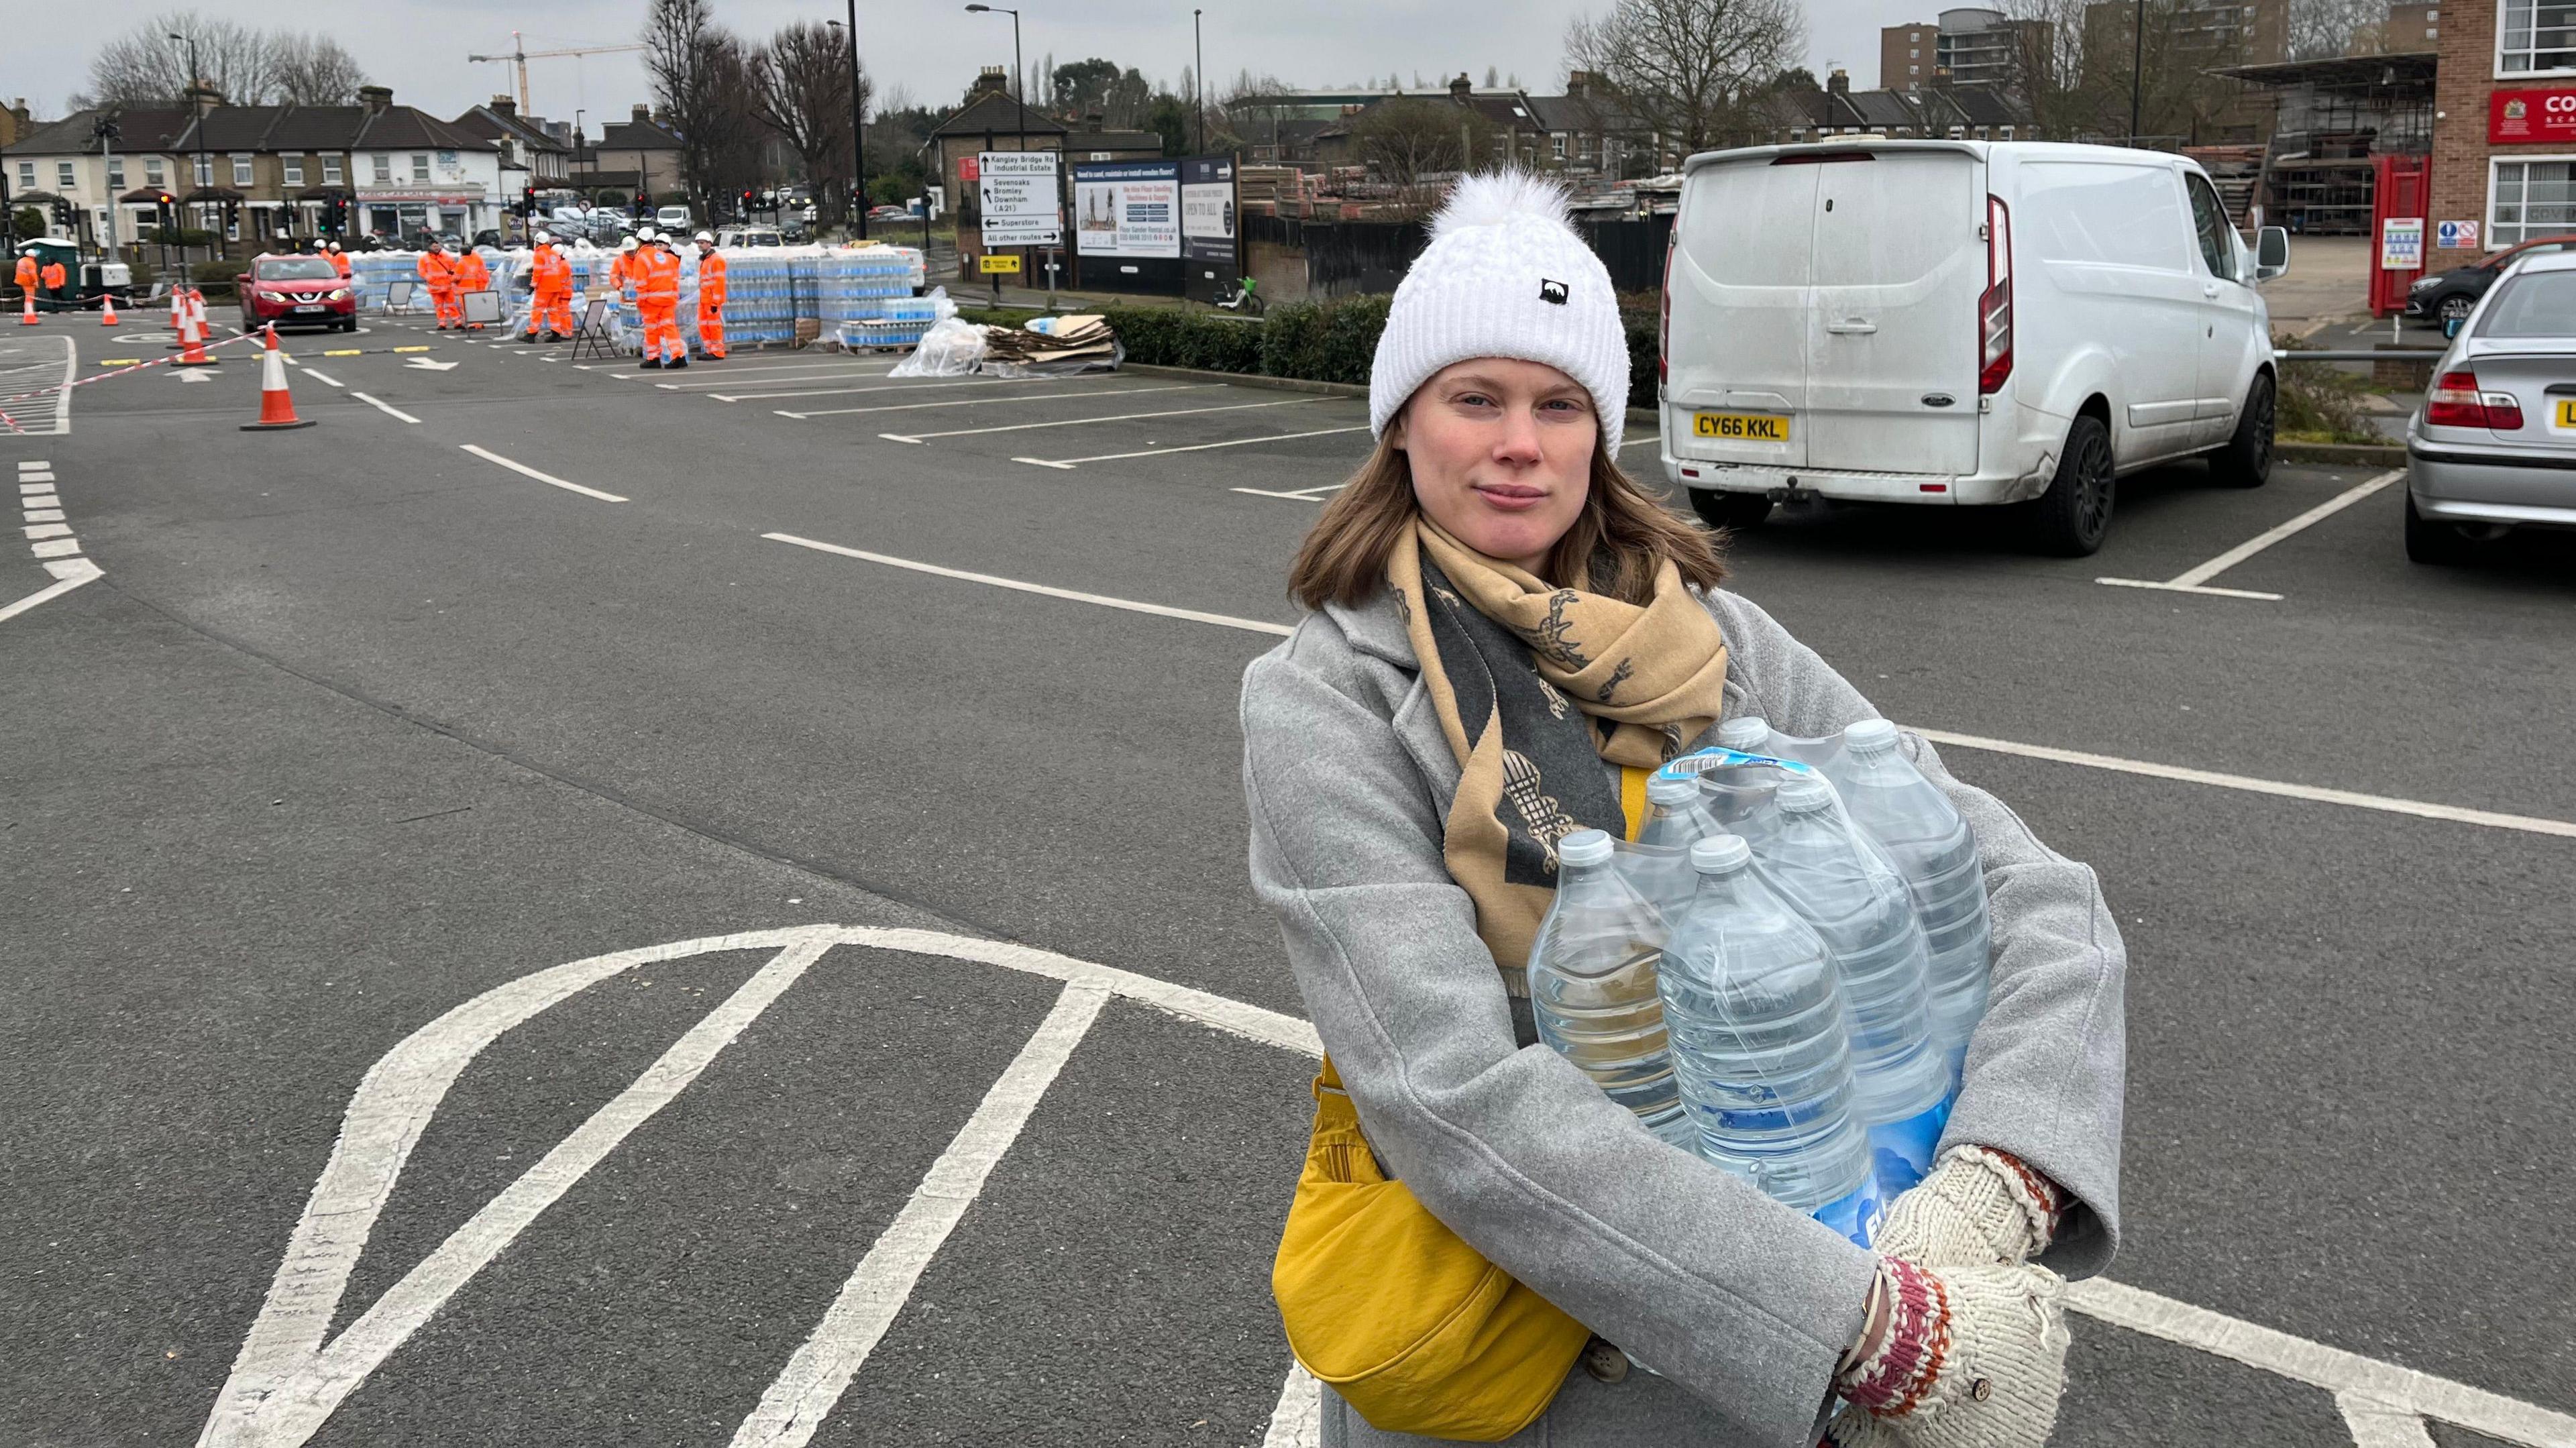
936	1077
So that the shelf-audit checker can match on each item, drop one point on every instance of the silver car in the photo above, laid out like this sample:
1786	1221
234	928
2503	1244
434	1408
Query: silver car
2494	447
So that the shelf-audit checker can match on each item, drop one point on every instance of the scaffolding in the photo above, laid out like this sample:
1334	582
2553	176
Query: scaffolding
2331	117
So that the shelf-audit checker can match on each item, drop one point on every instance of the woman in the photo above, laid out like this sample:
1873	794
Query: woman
1499	621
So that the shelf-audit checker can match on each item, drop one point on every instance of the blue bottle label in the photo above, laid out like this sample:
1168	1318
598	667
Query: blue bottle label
1856	1216
1900	1152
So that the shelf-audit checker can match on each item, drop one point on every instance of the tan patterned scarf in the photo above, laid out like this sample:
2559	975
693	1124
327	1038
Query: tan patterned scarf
1536	687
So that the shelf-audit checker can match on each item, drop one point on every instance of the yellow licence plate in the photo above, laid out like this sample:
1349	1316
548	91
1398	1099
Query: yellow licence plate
2567	412
1741	426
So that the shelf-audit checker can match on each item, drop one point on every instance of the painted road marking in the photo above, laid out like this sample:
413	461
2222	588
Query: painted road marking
884	387
48	530
1154	452
43	515
1222	620
67	576
2196	580
427	365
525	470
2454	814
386	408
1086	421
768	375
1302	495
991	401
1297	1422
287	1380
55	548
813	1380
320	377
36	465
19	424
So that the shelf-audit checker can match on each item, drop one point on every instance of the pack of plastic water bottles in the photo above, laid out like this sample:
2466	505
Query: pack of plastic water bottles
1783	971
866	296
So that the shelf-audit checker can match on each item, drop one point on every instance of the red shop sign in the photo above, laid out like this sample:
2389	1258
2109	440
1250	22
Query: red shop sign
2532	115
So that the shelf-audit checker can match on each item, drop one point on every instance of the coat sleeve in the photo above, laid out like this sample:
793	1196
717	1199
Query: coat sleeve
2048	1066
1742	1301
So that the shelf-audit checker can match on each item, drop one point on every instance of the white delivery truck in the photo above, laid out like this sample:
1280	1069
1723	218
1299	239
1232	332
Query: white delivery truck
1959	322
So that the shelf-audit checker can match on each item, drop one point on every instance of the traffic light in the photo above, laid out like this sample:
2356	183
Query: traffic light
63	214
165	210
528	202
746	204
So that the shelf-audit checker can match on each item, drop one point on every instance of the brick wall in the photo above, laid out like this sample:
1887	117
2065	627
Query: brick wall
2460	89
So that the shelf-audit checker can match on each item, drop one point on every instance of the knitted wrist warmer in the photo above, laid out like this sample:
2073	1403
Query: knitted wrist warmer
1979	1205
1893	1373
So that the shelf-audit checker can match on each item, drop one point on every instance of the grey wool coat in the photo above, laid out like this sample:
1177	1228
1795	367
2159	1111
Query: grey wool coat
1741	1305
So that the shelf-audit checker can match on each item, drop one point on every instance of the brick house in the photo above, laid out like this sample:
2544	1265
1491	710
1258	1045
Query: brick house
2504	126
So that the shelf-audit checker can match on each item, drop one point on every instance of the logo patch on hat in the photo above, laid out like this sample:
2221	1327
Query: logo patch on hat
1549	291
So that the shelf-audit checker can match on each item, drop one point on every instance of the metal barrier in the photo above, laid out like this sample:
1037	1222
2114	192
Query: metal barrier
2393	354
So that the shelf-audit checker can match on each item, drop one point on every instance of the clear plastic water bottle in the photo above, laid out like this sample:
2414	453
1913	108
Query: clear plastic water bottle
1760	1045
1859	907
1592	984
1677	818
1933	847
1740	799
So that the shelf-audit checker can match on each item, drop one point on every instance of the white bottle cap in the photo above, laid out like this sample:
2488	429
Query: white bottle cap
1662	788
1803	794
1720	853
1870	734
1748	732
1583	847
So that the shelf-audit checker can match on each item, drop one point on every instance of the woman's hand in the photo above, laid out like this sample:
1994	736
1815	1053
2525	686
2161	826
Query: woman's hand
1979	1207
1964	1357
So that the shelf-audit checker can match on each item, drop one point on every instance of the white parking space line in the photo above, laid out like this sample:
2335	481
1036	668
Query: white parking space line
1300	495
1222	620
1086	421
2421	809
770	375
885	387
386	408
806	1389
1297	1422
2196	580
992	401
2375	1424
525	471
1155	452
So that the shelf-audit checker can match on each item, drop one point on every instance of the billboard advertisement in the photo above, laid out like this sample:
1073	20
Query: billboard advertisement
1208	210
1127	208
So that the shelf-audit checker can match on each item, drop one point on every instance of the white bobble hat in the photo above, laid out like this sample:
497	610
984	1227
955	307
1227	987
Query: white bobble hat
1504	276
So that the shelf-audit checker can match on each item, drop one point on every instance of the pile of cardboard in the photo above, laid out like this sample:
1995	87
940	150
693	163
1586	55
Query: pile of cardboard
1078	343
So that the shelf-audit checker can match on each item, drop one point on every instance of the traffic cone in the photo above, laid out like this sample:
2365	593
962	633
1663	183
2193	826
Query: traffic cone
107	318
192	341
178	303
276	408
27	318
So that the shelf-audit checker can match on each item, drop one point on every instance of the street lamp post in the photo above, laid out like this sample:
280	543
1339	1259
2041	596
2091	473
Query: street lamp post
1017	93
205	173
2137	68
858	127
1198	78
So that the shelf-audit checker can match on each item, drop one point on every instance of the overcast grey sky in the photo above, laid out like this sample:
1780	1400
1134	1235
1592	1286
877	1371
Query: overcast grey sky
930	47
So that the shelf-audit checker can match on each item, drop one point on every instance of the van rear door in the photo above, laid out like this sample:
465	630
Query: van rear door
1740	284
1892	341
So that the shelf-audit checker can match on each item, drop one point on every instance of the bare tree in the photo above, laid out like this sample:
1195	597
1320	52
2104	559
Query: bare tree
682	43
312	70
146	66
1408	139
2320	28
1685	67
801	90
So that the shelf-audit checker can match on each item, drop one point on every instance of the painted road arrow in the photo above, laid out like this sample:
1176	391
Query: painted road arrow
427	365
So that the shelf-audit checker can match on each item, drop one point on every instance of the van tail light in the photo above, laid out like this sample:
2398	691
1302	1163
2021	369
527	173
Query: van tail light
1664	329
2455	401
1994	309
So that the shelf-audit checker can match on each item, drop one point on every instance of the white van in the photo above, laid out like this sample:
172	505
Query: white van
1958	322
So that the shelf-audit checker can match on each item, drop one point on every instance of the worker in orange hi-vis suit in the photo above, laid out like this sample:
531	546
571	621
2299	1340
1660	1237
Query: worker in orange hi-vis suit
549	292
711	299
471	276
339	261
438	273
29	274
657	300
55	280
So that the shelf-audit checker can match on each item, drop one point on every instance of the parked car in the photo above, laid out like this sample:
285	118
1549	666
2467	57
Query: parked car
750	236
2494	447
888	213
672	218
2452	294
1959	323
296	291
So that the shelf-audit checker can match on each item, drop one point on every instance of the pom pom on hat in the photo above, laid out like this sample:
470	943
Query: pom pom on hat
1505	275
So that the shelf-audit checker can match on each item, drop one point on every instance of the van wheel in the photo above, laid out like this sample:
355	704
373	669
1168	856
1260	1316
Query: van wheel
2071	517
1730	510
2246	461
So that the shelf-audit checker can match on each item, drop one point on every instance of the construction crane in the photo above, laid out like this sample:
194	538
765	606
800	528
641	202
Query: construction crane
521	55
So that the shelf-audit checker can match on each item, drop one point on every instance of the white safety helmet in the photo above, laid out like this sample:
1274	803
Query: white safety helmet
629	244
544	236
646	233
708	237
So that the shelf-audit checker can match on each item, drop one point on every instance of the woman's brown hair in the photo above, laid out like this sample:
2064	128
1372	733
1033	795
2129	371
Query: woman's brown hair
1616	542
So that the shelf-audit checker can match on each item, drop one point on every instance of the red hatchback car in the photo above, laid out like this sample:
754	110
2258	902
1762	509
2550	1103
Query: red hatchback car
297	291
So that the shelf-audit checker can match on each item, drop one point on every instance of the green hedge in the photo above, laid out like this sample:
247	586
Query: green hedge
1332	341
